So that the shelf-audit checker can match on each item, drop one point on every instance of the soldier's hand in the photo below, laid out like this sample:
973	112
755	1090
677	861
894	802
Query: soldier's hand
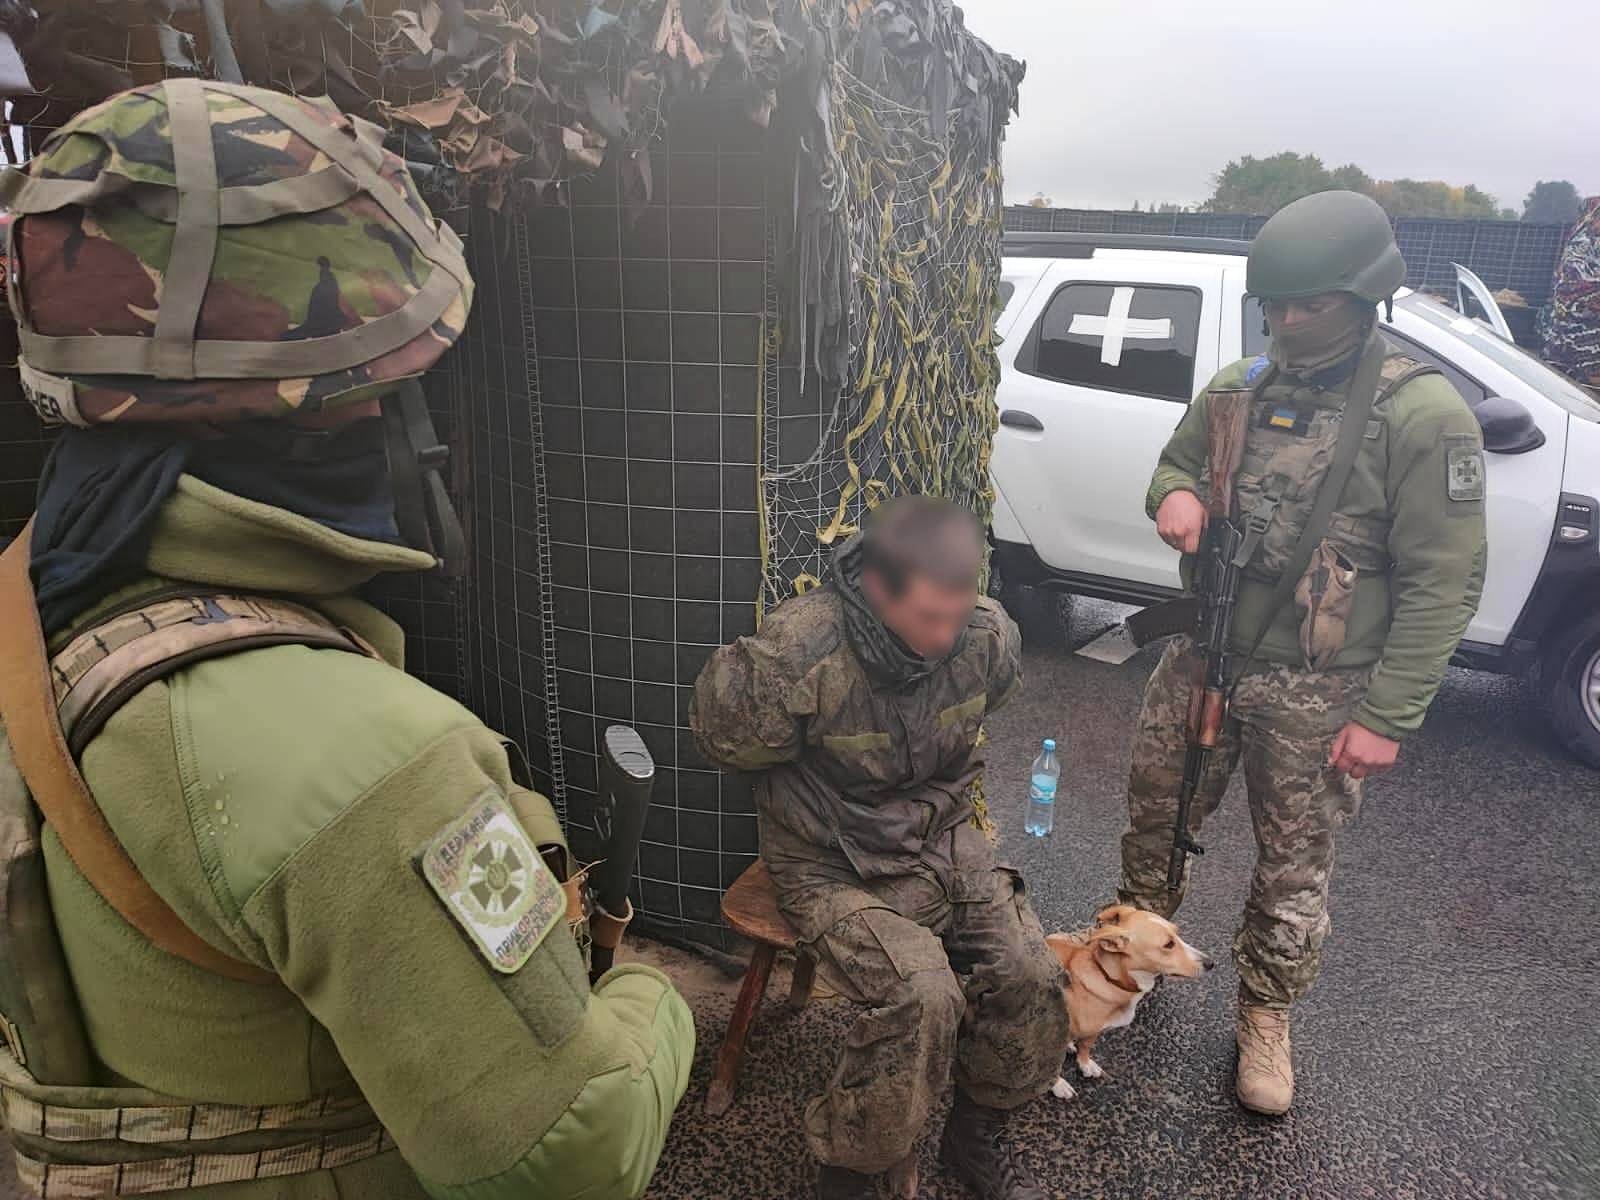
1358	752
1181	521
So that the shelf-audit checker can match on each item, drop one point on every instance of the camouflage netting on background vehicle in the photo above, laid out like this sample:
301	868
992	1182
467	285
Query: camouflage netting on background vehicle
1572	321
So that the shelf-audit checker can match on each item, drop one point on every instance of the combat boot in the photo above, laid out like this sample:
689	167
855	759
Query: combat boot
841	1183
976	1150
1265	1079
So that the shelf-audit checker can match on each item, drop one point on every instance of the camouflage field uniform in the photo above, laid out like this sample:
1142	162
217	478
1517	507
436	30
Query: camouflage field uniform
1410	520
1282	725
866	761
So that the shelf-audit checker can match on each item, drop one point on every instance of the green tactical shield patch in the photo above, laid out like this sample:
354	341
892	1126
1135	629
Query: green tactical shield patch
489	874
1464	472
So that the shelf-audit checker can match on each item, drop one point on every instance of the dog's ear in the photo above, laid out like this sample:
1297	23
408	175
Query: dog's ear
1116	943
1111	914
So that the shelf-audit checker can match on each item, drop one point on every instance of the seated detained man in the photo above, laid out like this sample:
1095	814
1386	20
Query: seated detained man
858	706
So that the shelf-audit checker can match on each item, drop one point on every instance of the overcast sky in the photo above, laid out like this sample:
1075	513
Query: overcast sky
1146	100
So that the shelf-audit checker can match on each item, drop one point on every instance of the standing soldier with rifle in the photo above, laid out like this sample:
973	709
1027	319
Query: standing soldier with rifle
1328	499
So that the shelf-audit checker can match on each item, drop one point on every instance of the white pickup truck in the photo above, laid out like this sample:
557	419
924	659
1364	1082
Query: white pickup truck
1105	339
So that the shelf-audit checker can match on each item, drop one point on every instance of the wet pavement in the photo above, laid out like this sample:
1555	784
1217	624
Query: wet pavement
1451	1048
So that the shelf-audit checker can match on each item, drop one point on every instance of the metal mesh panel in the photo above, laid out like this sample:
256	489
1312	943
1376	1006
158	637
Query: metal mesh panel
614	365
24	441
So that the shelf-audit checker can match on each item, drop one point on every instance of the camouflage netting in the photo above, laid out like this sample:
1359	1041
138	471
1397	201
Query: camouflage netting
880	123
1572	321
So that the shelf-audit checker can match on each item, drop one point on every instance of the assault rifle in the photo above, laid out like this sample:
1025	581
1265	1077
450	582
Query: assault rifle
1207	614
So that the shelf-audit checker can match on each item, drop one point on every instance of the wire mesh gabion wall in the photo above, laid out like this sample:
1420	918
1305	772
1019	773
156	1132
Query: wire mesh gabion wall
612	385
1519	255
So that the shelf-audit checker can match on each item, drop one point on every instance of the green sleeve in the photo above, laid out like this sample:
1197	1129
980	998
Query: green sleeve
752	698
494	1085
1438	551
1005	656
1183	459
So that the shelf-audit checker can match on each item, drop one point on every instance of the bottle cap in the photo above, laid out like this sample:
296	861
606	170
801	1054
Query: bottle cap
1049	743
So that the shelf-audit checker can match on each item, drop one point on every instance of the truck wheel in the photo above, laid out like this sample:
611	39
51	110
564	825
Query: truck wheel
1569	686
1043	614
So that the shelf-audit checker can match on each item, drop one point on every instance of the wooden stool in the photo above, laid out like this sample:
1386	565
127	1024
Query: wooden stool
750	907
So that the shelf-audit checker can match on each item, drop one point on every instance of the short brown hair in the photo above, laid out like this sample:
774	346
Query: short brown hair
923	535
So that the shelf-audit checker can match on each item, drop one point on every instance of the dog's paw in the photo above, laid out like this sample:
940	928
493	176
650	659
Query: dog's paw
1090	1069
1062	1090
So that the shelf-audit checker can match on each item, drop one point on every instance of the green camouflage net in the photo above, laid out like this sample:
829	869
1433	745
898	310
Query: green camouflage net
916	411
921	221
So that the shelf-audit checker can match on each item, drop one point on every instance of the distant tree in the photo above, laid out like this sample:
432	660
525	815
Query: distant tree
1554	200
1167	207
1261	186
1040	200
1434	198
1351	178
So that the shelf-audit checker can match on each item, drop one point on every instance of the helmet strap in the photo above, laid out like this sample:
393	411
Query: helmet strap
422	507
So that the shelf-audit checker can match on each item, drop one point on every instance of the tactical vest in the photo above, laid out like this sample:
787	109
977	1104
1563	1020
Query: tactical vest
72	1138
1288	450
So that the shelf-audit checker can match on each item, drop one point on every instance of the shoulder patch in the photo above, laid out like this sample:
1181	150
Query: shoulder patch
1464	473
1257	365
487	871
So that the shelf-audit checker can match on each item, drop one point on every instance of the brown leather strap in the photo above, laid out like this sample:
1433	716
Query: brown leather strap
27	706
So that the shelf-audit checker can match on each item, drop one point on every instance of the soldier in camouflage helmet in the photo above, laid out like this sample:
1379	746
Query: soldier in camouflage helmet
858	708
1347	667
292	924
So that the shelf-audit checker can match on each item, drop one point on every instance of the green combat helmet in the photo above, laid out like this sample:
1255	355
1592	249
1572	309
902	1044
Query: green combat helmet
205	253
1327	242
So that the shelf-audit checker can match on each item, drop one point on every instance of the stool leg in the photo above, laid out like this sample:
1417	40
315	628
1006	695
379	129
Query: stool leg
805	972
720	1095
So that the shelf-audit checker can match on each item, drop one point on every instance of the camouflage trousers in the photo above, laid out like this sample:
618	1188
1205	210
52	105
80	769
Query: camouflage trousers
1281	726
957	982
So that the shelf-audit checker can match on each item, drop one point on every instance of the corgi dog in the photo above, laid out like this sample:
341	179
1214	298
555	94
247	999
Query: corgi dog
1112	967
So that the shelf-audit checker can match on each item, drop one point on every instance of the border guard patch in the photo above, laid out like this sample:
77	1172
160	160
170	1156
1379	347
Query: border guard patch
1464	472
489	874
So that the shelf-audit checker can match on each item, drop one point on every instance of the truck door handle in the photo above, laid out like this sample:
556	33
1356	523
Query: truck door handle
1018	419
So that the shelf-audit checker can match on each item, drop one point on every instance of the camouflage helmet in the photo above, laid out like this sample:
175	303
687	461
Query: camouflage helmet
1327	242
207	253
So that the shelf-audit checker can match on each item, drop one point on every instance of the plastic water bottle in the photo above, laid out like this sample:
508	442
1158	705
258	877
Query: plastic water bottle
1042	792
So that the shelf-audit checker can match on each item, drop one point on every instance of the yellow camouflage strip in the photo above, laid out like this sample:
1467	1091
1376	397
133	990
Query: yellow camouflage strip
855	743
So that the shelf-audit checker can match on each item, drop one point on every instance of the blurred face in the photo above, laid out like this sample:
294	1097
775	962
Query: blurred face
927	616
1290	314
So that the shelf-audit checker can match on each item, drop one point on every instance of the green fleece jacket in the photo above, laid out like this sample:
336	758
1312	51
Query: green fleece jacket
1409	614
282	800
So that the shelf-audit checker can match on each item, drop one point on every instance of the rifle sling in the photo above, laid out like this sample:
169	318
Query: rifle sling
1352	431
27	707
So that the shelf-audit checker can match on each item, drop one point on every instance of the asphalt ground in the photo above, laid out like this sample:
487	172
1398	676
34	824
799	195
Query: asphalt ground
1450	1049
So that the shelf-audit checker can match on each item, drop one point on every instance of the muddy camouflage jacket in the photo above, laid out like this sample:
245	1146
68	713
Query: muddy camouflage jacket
1411	520
860	746
285	802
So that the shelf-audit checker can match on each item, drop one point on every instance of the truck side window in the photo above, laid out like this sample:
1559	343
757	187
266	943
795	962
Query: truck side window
1255	327
1118	337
